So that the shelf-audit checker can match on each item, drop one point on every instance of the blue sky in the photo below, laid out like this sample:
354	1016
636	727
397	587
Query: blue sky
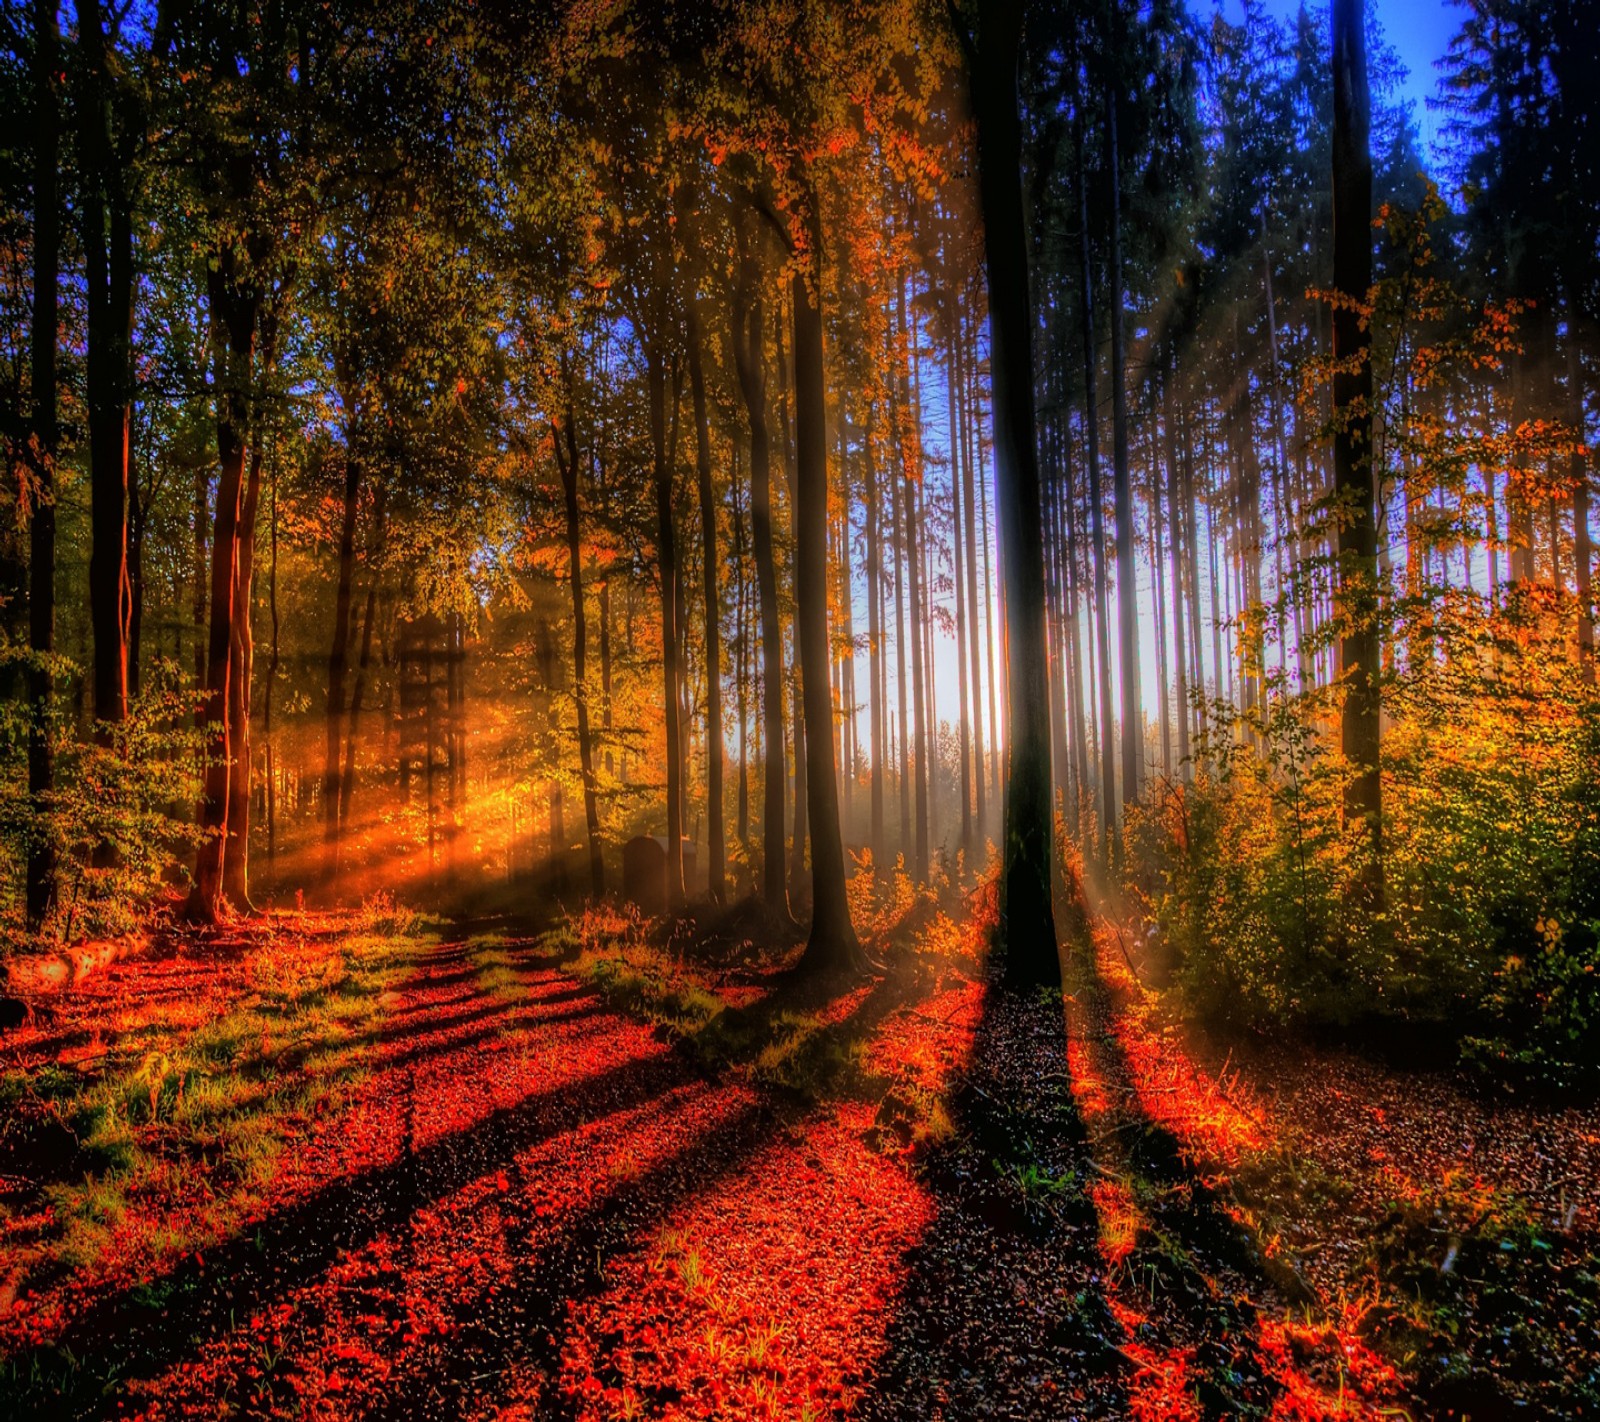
1419	30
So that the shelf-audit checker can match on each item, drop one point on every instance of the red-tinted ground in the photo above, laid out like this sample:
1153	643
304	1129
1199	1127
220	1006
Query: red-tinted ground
488	1194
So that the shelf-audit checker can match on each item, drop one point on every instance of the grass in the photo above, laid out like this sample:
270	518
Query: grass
220	1101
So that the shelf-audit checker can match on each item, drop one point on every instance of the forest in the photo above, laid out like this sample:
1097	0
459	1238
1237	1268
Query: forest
799	709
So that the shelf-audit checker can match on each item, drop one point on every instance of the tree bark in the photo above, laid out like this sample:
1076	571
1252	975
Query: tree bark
235	303
747	329
1352	447
1097	506
339	651
716	844
580	646
1122	493
108	262
667	562
42	865
832	945
1025	935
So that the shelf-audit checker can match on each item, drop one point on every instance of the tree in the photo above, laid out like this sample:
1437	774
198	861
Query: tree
1026	933
1352	411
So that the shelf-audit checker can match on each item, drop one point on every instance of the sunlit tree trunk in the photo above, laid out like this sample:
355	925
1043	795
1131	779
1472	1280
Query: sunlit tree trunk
235	303
969	420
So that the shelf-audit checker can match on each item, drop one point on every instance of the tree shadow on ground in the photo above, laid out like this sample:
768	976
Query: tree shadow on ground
1196	1270
1003	1314
142	1329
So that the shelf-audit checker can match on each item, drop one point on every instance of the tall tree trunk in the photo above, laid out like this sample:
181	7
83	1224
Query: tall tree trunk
969	420
369	617
716	846
1352	447
235	304
831	946
1026	935
108	262
747	343
339	651
580	647
1175	540
671	652
1582	548
42	867
1122	493
241	644
1097	505
953	418
875	638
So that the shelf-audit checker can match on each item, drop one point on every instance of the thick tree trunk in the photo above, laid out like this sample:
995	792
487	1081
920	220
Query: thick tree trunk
1026	933
1352	448
747	329
831	946
716	846
42	867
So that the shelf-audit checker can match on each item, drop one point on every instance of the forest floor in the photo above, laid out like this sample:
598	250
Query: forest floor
376	1166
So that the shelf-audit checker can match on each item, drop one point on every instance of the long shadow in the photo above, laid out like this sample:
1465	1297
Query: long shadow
1194	1259
1002	1314
525	1322
139	1331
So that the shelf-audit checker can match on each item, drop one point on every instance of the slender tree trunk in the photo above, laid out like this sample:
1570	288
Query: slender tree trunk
1122	493
716	846
1097	505
108	262
1352	449
1176	541
875	638
347	782
747	343
671	652
969	412
1026	932
42	865
1582	547
963	736
831	946
580	648
234	308
339	651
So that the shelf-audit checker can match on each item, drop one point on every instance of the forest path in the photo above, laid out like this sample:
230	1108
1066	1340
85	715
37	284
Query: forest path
531	1207
473	1233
